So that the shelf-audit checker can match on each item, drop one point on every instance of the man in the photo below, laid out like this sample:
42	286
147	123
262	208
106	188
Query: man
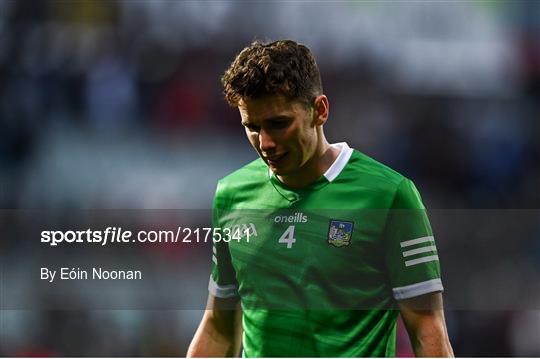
348	237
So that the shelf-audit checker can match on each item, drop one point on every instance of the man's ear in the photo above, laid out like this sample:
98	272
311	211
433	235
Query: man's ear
321	108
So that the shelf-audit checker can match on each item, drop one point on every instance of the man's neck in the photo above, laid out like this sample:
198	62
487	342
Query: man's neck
324	157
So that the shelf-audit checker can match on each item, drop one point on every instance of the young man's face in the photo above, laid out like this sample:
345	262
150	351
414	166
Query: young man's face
282	131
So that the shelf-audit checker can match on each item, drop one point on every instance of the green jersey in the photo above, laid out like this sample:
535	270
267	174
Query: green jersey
318	269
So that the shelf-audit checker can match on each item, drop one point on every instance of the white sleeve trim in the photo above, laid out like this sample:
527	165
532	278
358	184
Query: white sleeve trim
222	291
414	290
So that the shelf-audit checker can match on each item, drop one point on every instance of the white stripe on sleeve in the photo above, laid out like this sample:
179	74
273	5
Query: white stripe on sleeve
412	252
412	242
416	261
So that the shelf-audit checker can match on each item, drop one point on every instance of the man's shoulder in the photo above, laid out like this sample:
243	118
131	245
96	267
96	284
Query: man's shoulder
253	173
391	187
255	170
369	170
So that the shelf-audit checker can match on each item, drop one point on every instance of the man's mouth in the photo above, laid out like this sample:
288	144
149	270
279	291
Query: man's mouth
273	160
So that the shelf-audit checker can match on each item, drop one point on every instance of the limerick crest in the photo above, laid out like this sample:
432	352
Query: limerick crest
340	232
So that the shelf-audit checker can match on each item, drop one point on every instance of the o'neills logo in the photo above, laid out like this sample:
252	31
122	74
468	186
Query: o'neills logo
298	217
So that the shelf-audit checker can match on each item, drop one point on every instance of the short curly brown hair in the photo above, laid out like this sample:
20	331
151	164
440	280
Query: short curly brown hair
282	67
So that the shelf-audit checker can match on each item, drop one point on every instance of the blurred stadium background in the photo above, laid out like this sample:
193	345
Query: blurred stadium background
118	105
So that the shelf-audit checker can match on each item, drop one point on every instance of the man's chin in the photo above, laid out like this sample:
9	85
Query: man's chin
280	171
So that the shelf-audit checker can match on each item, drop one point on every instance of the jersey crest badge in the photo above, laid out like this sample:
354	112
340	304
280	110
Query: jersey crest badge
340	232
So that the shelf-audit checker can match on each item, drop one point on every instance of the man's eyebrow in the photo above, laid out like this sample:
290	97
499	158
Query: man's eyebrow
269	119
277	118
281	117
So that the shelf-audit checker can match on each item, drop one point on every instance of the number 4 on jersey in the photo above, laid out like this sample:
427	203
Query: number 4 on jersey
288	237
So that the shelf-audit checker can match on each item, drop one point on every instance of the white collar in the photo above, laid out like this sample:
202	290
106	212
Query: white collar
339	164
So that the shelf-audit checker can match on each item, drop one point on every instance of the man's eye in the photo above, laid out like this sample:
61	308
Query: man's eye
280	124
251	128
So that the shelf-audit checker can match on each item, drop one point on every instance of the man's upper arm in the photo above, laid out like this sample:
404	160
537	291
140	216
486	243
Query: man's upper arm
220	330
413	263
223	282
411	255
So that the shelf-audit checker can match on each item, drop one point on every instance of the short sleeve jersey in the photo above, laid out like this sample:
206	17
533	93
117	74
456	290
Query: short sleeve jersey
319	269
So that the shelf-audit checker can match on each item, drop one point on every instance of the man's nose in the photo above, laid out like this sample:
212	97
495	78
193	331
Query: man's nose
266	142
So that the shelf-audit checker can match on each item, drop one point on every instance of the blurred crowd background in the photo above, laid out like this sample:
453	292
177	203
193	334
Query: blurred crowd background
118	104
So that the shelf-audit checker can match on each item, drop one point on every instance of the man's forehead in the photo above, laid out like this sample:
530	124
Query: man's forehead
266	107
